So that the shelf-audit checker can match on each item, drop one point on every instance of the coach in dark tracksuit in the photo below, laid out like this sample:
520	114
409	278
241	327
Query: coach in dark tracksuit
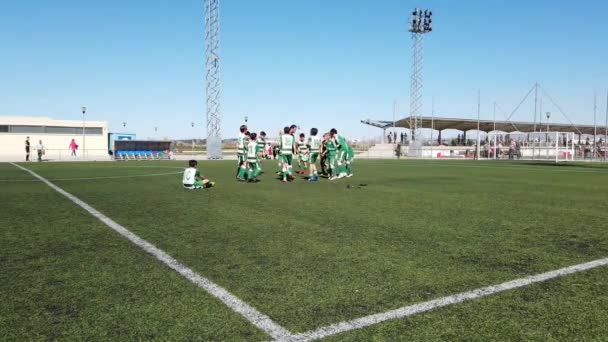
27	149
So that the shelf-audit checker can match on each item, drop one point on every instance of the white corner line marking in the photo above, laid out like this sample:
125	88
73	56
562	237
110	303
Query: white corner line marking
257	318
443	301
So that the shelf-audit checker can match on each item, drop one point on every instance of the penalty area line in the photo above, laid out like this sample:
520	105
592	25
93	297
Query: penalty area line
252	315
411	310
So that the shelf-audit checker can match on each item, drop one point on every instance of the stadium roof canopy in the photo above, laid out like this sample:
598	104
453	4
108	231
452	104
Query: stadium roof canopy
464	125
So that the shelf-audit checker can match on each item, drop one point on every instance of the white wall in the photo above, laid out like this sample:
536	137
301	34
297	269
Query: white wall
12	145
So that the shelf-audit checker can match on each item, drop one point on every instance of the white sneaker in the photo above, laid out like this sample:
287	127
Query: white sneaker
342	175
348	176
333	178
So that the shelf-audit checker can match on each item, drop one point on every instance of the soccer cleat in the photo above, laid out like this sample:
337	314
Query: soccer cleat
349	175
240	179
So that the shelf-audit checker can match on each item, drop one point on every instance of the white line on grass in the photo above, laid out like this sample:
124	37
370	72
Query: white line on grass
513	167
443	301
257	318
92	178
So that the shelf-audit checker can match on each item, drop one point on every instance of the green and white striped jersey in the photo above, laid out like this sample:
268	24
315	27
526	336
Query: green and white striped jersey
302	147
286	144
241	144
191	175
261	143
315	143
252	151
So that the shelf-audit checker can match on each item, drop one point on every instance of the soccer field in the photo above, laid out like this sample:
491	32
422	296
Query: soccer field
306	256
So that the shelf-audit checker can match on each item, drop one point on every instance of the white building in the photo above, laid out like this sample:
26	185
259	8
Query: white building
56	136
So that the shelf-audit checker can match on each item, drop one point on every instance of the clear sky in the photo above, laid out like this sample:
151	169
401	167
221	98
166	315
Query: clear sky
324	63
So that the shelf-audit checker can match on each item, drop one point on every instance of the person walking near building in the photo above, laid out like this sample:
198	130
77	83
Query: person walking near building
40	150
73	148
27	149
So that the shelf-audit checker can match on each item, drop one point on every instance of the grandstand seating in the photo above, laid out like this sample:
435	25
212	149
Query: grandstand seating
140	155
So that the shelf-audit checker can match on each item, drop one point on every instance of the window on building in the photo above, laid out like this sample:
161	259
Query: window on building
26	129
62	130
93	131
3	129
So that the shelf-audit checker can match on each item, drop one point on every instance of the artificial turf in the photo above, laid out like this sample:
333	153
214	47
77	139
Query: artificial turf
306	254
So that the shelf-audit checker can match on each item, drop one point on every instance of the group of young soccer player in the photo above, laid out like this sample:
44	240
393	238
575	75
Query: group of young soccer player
332	151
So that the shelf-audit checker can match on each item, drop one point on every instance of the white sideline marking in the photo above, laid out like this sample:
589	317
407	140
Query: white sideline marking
443	301
92	178
514	167
257	318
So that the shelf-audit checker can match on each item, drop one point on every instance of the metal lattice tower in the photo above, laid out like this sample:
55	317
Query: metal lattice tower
416	85
212	67
420	24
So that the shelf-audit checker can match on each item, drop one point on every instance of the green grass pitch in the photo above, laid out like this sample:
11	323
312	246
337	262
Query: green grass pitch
305	254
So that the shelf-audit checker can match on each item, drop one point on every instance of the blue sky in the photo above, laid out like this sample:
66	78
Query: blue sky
323	63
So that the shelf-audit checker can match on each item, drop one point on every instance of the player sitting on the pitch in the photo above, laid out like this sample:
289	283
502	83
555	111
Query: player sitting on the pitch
192	178
253	170
314	144
303	154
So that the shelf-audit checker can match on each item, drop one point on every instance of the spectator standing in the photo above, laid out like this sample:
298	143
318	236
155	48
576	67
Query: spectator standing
40	150
27	149
73	148
390	137
402	138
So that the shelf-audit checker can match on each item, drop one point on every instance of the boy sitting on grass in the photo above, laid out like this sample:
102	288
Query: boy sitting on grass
192	178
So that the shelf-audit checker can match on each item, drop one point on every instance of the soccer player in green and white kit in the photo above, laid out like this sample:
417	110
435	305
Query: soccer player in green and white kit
314	144
350	156
261	140
287	145
331	148
192	178
303	153
253	170
342	147
241	150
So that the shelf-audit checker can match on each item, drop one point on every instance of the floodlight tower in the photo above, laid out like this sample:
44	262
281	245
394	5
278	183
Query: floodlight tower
212	67
421	23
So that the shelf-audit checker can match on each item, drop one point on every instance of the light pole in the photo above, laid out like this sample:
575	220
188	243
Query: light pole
84	111
124	124
246	118
548	114
156	132
421	23
192	124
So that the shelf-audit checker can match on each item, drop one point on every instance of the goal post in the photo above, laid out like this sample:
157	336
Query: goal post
546	146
